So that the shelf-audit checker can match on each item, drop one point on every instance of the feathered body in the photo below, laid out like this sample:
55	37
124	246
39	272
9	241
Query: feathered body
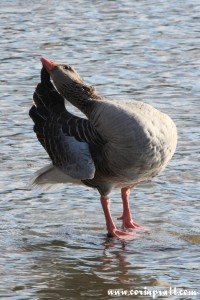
140	139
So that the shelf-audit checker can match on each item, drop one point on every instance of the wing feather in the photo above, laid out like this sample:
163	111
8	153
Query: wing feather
65	137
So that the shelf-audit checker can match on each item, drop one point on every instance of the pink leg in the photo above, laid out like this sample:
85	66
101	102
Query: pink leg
126	217
112	230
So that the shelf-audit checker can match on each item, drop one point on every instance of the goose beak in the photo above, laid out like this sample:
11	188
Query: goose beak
48	64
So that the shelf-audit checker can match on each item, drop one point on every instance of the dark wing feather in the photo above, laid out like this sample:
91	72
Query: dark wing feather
65	137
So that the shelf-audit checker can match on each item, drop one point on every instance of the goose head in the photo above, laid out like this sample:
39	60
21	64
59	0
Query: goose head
66	80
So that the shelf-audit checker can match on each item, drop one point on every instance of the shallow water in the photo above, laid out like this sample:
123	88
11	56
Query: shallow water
53	245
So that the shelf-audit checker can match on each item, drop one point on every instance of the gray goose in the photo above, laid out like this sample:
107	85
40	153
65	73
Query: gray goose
119	145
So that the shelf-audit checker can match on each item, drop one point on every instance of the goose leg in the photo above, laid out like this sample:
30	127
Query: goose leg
127	221
112	230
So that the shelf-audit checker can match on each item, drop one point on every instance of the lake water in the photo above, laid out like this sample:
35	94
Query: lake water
53	245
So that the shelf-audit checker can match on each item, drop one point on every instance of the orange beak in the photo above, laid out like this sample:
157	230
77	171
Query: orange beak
48	64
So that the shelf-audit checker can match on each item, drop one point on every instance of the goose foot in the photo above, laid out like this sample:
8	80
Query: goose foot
123	235
127	222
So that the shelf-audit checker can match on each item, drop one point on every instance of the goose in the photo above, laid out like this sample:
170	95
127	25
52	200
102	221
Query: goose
117	144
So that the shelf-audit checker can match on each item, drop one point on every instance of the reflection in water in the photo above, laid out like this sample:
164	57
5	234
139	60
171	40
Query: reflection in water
84	266
53	245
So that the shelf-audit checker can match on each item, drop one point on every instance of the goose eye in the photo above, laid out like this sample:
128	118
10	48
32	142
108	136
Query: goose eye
66	67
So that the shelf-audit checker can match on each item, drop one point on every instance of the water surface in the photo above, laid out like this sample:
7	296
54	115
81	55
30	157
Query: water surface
53	245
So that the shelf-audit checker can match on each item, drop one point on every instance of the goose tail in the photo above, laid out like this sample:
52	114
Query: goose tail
50	177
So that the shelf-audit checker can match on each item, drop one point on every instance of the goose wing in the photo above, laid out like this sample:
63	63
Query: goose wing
65	137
